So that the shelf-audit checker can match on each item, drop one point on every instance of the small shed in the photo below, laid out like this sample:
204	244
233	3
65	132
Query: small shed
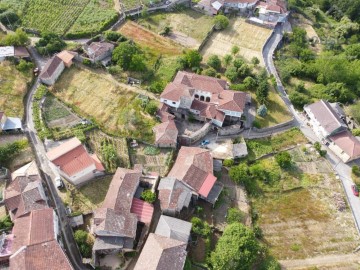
76	221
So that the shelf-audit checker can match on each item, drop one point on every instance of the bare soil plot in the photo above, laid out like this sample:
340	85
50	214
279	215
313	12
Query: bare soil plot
300	215
88	197
57	115
249	38
152	163
13	87
187	23
149	39
113	106
96	138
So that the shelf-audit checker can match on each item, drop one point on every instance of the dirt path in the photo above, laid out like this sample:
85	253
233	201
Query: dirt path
324	261
117	5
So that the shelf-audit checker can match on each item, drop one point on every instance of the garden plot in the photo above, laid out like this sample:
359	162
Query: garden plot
249	38
97	139
189	28
304	215
113	106
57	115
153	159
13	87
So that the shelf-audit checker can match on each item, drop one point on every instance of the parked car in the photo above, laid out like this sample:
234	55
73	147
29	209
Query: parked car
355	190
59	183
205	142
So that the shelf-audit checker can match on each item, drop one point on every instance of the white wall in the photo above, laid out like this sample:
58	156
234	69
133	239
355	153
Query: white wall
170	103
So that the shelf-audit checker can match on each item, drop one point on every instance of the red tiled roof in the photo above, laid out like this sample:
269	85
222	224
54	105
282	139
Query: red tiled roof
174	91
50	67
348	143
231	100
166	133
163	113
143	210
98	164
43	256
98	48
207	185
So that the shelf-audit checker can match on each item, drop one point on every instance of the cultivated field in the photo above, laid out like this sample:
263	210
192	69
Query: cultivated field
158	162
189	27
249	38
304	214
146	38
13	87
98	138
57	115
114	106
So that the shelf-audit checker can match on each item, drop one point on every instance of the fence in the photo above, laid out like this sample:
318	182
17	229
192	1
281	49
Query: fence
208	35
275	128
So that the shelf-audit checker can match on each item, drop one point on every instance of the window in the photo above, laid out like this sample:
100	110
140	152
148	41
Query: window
173	102
207	99
196	96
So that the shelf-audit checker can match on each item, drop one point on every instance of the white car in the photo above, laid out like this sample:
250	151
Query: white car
59	183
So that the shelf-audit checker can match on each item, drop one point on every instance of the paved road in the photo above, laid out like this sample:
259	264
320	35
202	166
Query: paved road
341	169
50	174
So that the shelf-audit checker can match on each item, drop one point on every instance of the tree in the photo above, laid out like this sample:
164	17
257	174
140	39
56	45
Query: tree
352	52
137	63
166	31
283	159
214	62
50	43
227	59
24	66
124	53
262	111
210	72
235	49
231	73
192	58
221	22
237	248
244	71
200	227
114	36
85	242
355	170
255	61
6	223
148	196
262	92
240	174
152	107
238	62
234	215
19	38
249	82
228	162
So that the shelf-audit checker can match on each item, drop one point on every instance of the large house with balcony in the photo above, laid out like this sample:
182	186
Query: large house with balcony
330	127
212	7
205	98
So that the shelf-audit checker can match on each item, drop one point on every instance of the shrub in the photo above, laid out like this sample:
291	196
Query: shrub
200	227
262	111
355	170
221	22
151	107
85	242
148	196
235	50
228	162
283	159
157	87
114	36
113	69
356	132
6	223
255	61
234	215
214	62
24	66
50	43
87	62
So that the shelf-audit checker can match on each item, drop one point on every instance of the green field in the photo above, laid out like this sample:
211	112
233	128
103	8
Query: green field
78	17
54	109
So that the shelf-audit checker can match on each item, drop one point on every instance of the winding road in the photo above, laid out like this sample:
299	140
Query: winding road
50	172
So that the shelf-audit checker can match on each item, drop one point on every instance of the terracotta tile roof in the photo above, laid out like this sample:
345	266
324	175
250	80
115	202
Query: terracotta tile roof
143	210
162	253
21	52
199	105
166	133
174	91
192	166
232	101
200	82
43	256
163	113
114	215
96	49
348	143
207	185
50	67
72	157
173	194
66	56
34	228
326	116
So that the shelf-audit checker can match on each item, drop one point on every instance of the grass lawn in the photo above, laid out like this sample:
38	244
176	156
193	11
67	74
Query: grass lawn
298	213
88	197
54	109
13	87
189	22
277	111
263	146
249	38
114	106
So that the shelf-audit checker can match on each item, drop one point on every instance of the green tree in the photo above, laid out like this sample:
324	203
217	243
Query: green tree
6	223
148	196
234	215
214	62
237	248
228	162
137	63
152	107
227	59
235	50
124	53
24	66
262	111
210	72
352	52
19	38
249	82
192	58
240	174
283	159
255	61
200	227
221	22
50	43
231	73
262	92
84	242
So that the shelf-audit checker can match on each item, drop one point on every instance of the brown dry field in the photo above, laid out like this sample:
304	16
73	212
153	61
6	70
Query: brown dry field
149	39
249	38
299	217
